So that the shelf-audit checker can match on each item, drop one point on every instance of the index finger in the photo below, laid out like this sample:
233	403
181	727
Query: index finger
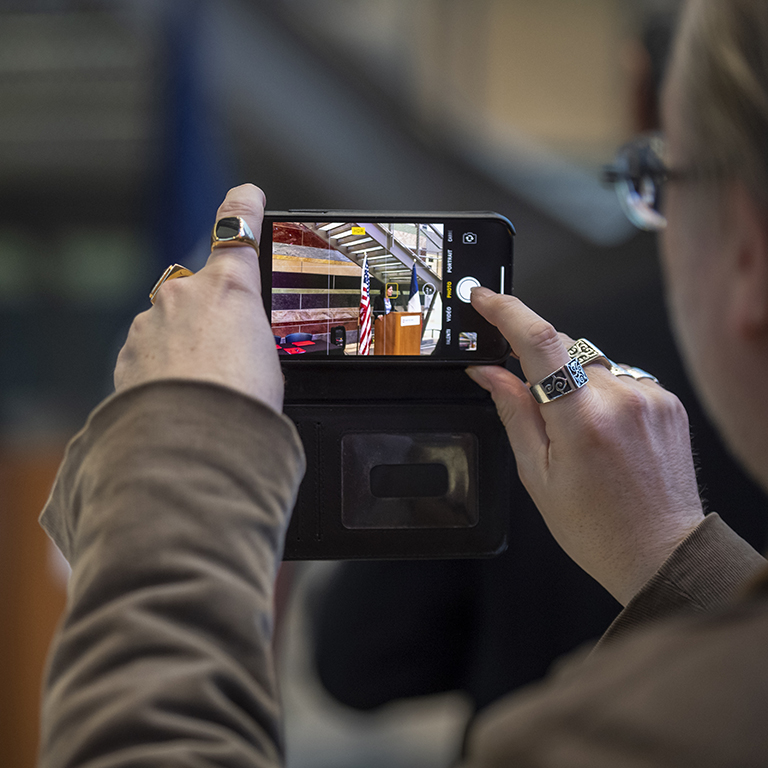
534	341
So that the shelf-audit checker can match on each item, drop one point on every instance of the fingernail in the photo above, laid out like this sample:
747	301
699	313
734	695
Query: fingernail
481	292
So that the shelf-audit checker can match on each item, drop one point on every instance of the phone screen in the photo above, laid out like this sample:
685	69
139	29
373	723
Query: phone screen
370	287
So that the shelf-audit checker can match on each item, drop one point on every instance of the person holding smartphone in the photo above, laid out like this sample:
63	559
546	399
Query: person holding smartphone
172	503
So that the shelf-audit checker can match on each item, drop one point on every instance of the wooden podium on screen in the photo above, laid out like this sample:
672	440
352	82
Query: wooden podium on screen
398	333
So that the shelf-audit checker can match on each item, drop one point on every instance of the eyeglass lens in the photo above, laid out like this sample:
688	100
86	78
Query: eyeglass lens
639	175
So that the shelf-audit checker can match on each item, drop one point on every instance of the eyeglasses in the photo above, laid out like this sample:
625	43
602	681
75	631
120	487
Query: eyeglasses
639	175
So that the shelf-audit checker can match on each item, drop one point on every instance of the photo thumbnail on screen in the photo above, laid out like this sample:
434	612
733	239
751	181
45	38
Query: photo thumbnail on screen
357	289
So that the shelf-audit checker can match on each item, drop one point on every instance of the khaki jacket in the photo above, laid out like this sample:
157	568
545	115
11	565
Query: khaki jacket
171	506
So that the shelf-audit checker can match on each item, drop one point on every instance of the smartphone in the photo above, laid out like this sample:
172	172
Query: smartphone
361	286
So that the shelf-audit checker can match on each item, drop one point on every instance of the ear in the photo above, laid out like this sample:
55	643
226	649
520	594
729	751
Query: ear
748	241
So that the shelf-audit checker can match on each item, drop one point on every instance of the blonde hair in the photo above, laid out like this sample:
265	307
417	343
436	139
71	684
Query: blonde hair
723	64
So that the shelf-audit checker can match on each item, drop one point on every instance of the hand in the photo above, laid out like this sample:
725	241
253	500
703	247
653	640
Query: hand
211	326
609	466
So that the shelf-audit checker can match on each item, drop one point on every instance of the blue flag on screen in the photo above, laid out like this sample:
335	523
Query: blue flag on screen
414	302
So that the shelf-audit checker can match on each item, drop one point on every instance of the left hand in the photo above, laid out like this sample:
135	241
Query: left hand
211	326
609	466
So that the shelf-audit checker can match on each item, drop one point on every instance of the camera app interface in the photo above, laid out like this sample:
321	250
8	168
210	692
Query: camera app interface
360	289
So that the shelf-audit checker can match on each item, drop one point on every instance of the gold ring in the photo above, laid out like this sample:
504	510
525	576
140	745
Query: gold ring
171	273
233	230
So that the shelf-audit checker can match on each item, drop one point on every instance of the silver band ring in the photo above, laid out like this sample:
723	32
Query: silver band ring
566	379
586	353
233	230
636	373
171	273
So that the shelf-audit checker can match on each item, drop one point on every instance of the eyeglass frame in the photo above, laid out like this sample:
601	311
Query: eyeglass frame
637	210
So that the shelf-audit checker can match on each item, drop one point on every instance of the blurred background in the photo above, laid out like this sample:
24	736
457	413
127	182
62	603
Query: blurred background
123	123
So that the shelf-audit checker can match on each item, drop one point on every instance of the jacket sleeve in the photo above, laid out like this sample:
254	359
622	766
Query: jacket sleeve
171	507
708	569
682	693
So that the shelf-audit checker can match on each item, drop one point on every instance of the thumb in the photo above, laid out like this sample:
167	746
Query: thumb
520	415
246	201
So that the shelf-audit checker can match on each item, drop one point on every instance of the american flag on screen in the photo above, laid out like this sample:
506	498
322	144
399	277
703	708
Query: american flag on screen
364	333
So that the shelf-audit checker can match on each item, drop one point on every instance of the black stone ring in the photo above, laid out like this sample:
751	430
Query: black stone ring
233	230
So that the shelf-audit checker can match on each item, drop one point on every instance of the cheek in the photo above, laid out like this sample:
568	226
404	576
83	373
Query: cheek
694	286
692	297
677	262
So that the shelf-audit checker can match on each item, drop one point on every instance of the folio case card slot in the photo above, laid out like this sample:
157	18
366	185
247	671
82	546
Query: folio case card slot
407	481
450	463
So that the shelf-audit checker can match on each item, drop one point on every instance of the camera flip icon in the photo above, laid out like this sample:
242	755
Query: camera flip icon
469	238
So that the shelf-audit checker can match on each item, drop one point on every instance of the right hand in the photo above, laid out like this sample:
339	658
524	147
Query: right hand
609	466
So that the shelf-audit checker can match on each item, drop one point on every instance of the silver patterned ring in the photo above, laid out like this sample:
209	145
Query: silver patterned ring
586	353
566	379
636	373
